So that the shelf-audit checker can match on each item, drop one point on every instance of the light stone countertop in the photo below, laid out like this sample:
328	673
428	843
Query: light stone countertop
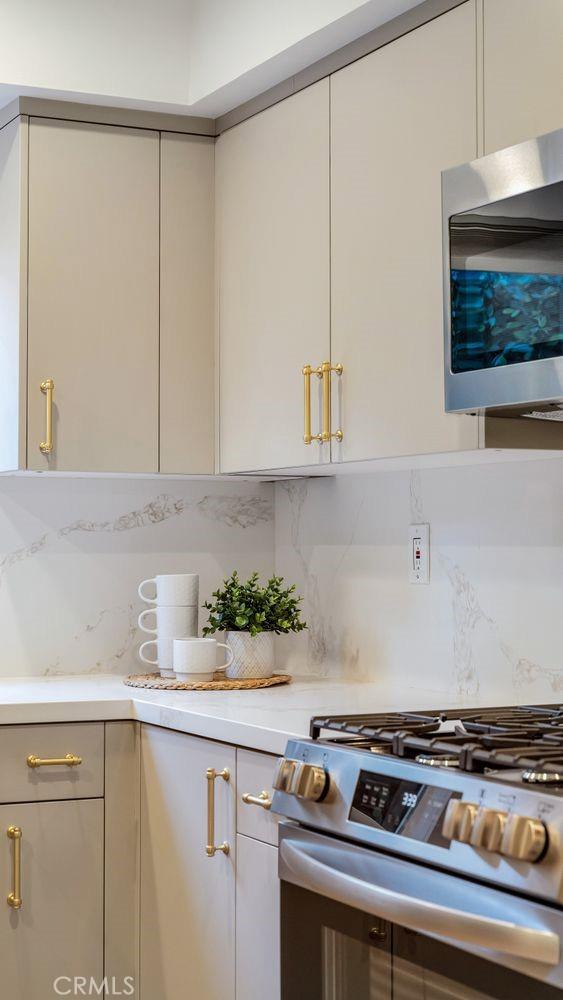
260	720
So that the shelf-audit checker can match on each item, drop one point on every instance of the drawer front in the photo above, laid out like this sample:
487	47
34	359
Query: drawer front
21	783
254	776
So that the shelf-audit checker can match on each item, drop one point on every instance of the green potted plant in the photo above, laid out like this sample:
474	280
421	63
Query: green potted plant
251	615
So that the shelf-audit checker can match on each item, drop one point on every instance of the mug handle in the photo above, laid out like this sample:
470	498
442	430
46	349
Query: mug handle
145	659
140	621
229	661
149	600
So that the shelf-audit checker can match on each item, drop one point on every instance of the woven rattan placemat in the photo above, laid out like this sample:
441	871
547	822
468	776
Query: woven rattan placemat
221	684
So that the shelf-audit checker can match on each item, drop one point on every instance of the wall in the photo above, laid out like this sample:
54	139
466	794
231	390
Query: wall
490	621
239	49
174	55
128	50
72	552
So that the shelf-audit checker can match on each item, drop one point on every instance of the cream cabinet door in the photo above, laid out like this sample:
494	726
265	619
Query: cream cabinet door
58	932
187	898
187	378
93	296
272	183
258	921
398	117
523	70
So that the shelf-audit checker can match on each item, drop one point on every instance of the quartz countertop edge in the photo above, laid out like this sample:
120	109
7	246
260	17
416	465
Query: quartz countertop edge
257	720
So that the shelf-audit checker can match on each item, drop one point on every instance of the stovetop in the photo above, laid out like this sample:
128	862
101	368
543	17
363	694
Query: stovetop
524	744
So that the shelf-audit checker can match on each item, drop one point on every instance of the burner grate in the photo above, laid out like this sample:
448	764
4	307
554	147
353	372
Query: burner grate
527	737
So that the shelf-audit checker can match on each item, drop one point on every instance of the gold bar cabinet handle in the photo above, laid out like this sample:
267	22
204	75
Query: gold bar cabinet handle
15	897
69	760
307	371
263	800
47	388
326	370
211	774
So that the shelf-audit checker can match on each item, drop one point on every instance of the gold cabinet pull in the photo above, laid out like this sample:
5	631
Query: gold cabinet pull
211	774
47	388
326	370
15	896
69	760
263	800
323	372
307	371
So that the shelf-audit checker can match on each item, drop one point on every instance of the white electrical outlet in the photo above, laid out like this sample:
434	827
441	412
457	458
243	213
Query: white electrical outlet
419	553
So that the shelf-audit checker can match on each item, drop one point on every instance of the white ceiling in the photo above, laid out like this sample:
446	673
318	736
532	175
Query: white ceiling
185	56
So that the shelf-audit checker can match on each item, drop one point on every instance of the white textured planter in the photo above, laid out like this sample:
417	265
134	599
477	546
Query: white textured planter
253	655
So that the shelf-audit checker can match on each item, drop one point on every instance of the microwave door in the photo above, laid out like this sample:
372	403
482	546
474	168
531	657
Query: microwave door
503	280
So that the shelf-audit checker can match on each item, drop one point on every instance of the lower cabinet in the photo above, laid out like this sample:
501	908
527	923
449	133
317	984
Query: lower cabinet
258	921
52	859
209	916
187	890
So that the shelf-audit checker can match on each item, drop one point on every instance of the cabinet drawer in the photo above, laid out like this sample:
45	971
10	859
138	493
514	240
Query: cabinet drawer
254	775
21	783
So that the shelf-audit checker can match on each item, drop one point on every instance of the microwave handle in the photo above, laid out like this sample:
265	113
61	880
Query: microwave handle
419	914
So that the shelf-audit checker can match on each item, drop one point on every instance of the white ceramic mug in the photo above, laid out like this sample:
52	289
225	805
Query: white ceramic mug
196	659
172	590
164	655
169	622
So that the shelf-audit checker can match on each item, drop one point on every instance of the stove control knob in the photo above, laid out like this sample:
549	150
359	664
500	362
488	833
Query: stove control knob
311	783
488	829
459	819
524	838
285	775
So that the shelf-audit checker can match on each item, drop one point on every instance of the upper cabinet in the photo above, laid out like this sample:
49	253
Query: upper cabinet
272	180
523	70
106	254
93	296
187	348
398	118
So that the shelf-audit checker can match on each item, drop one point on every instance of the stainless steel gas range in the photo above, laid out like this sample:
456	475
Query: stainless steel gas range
421	856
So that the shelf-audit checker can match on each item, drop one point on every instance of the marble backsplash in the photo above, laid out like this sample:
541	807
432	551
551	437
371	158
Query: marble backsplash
489	623
73	550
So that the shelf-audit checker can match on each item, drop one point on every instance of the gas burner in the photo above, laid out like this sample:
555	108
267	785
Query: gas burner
542	777
437	760
525	742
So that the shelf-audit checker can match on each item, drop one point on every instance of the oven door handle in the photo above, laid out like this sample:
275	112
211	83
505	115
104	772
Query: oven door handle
418	914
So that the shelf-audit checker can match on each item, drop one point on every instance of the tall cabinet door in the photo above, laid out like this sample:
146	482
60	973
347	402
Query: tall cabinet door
523	70
398	118
272	183
58	932
187	381
187	898
93	296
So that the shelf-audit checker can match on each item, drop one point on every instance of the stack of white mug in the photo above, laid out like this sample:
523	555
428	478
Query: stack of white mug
179	651
175	616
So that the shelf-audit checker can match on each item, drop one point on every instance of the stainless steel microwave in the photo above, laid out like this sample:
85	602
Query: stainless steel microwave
503	281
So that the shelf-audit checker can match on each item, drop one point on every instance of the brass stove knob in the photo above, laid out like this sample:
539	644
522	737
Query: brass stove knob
285	775
488	829
458	821
524	838
311	783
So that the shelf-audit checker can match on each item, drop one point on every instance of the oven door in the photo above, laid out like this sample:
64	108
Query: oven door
360	925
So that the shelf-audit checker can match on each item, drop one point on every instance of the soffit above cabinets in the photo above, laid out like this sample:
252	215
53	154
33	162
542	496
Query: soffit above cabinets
202	58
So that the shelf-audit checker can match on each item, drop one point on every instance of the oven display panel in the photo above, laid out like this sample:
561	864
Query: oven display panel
401	807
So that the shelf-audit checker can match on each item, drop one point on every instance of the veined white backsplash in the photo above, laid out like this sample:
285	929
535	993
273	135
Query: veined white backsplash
73	551
489	623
